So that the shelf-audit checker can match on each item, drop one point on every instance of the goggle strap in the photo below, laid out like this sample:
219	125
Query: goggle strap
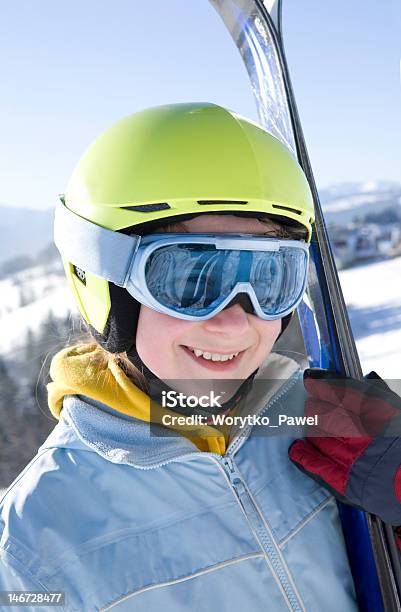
93	248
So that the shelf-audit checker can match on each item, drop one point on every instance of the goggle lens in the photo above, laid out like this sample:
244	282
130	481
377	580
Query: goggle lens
281	279
196	278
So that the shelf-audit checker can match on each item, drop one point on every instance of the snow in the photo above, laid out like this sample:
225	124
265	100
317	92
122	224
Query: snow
16	324
377	186
344	203
353	201
28	285
373	296
41	290
346	189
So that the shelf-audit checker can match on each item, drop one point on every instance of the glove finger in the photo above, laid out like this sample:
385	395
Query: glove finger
371	412
324	385
374	407
332	420
341	451
337	389
308	457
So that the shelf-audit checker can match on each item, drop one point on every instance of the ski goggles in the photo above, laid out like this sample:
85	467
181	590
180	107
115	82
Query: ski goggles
192	276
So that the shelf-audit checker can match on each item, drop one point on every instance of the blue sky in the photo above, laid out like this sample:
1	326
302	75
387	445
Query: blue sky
69	70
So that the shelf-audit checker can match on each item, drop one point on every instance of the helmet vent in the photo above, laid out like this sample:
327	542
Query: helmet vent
80	274
293	210
147	207
211	202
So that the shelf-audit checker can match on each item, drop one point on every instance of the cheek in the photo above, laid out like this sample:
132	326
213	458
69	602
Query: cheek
155	337
269	331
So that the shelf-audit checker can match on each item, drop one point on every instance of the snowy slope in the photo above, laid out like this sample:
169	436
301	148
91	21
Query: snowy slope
373	296
29	285
26	299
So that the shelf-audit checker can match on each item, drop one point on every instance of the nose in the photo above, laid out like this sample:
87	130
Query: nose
231	320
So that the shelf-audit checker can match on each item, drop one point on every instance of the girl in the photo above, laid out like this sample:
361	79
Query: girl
184	234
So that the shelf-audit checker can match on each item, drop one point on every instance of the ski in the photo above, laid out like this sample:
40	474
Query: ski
255	26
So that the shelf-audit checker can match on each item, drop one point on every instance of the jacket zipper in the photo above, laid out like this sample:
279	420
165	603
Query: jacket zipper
239	441
255	519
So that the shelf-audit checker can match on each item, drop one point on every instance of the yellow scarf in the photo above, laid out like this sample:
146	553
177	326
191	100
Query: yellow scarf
86	370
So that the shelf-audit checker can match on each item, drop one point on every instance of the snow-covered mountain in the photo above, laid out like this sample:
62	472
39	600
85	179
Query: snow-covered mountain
351	201
27	298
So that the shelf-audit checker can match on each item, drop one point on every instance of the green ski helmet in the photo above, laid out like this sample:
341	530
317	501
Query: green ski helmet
171	163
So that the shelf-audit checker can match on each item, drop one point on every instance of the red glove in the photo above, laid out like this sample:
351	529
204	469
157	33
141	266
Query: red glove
355	450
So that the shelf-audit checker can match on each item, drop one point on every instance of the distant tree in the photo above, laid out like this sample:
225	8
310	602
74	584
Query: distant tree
8	420
8	386
26	296
25	419
29	345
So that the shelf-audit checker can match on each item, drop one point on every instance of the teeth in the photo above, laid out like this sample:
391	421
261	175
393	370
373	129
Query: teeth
213	356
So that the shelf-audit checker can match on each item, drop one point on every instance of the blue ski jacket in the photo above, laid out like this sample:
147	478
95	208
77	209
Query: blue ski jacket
119	519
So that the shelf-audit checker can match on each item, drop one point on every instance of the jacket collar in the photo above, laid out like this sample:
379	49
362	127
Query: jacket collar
90	425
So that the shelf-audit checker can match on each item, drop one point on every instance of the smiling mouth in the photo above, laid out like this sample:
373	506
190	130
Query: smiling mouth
209	357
